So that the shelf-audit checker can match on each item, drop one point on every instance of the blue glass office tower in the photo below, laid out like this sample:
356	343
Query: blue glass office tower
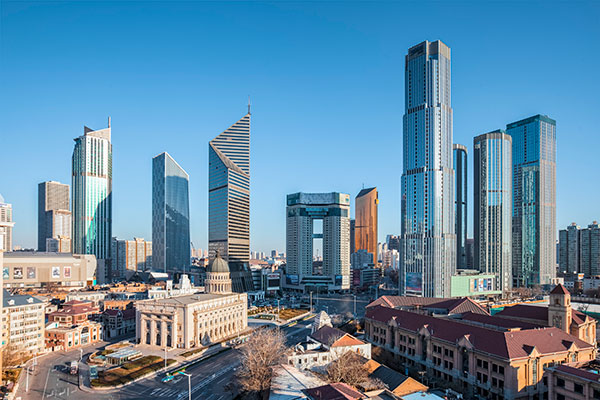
460	203
427	206
229	201
492	205
92	196
170	216
534	200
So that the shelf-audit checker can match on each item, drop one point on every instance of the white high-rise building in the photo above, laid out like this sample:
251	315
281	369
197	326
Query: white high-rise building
427	205
6	225
303	209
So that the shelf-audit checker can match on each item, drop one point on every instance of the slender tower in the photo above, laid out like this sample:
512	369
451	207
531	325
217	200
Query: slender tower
492	205
427	210
92	196
229	201
460	203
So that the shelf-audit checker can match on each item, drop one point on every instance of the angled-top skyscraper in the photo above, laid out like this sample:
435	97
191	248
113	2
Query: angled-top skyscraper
170	215
229	201
427	206
92	194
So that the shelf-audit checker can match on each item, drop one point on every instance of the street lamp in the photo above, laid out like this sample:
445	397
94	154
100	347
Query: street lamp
189	383
354	305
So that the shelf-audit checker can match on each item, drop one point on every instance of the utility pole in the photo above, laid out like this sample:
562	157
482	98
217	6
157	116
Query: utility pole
165	357
310	293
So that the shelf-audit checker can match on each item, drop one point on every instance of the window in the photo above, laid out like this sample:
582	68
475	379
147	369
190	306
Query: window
578	388
560	382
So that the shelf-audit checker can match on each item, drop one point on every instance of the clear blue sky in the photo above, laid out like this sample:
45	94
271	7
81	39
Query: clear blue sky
327	86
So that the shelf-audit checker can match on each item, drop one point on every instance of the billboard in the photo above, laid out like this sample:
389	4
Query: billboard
338	280
30	272
18	272
55	272
414	282
480	285
67	272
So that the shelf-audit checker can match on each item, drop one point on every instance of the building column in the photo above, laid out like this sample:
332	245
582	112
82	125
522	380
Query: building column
142	327
163	333
152	332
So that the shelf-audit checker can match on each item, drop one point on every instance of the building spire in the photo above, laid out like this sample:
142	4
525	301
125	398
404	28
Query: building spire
109	121
248	104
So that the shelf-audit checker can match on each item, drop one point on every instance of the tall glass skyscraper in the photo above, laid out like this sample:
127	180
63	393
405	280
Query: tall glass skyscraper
492	202
92	194
170	216
365	225
534	200
229	201
428	238
460	203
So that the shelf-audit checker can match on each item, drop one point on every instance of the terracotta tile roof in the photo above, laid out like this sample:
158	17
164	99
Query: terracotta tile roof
327	335
508	345
347	340
537	313
334	391
581	373
498	322
446	305
560	289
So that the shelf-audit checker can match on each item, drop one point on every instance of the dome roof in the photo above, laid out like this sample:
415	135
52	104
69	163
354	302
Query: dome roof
218	265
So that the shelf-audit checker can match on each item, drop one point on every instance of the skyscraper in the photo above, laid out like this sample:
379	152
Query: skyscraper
170	215
365	229
460	203
492	205
303	209
92	195
132	255
534	200
579	250
428	257
6	225
54	215
569	249
229	201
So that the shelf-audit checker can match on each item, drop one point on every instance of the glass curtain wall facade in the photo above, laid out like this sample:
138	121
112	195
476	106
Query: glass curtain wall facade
534	200
52	197
92	194
229	201
170	215
492	204
365	223
460	203
428	257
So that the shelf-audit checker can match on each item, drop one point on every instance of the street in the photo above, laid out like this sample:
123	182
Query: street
209	378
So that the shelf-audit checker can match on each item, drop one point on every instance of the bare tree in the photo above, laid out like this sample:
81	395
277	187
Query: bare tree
348	369
11	356
264	349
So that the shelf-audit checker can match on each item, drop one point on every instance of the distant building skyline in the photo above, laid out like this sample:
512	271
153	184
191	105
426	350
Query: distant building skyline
170	215
534	200
579	250
492	207
6	225
428	257
92	194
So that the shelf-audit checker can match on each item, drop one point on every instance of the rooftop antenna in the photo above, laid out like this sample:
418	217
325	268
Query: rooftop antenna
248	104
109	121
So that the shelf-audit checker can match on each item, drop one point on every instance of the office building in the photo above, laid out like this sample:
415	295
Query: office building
365	212
393	242
130	255
460	203
54	215
579	250
170	216
92	195
470	249
352	236
6	225
303	210
27	269
534	200
229	201
427	186
492	205
197	319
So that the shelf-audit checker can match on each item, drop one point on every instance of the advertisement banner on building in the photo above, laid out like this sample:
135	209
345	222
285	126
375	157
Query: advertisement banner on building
5	273
30	272
18	272
67	272
414	282
55	272
338	280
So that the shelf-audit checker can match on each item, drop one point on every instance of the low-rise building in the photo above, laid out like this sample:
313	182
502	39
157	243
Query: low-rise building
73	312
195	319
577	381
117	322
68	337
24	269
23	324
95	297
325	345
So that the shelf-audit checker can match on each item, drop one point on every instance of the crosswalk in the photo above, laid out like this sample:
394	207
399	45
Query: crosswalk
165	392
206	382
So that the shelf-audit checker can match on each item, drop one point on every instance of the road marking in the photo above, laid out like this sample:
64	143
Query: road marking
46	384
